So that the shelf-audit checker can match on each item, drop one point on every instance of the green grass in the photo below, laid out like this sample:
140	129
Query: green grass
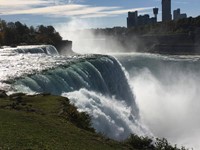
39	122
49	122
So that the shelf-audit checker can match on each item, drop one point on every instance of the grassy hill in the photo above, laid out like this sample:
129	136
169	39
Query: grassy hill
42	122
49	122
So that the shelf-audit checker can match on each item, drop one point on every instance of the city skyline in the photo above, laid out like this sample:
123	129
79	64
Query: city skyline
97	14
134	20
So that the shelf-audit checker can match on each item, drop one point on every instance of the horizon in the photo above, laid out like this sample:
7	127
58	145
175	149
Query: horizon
88	13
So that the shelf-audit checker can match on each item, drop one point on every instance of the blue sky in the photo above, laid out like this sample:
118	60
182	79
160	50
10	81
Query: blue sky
97	13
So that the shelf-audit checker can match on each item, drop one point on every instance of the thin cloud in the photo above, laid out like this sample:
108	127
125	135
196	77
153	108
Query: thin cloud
23	3
114	12
9	6
49	8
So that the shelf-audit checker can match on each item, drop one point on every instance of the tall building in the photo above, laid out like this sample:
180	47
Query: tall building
166	10
143	20
132	19
177	14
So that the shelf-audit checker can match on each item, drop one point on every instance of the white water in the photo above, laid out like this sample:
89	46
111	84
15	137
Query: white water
111	117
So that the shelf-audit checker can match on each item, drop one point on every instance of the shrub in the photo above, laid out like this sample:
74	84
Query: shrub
163	144
138	142
145	143
80	119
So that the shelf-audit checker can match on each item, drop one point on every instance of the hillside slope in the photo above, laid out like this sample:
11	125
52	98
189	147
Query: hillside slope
41	122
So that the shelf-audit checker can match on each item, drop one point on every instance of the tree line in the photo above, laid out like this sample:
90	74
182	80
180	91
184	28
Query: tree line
16	33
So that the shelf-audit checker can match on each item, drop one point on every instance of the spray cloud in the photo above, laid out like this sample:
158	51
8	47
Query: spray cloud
86	40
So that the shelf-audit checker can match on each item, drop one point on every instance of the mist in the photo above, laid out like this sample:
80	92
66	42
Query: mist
167	94
90	41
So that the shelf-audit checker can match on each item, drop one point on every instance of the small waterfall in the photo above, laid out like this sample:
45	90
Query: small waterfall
32	49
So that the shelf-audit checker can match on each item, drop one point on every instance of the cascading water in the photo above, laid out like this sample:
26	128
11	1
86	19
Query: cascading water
96	85
47	49
103	75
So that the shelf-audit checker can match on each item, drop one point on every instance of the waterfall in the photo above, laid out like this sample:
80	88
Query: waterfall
97	85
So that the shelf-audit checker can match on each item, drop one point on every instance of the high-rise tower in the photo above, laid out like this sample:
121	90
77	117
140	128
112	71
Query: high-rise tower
132	20
155	12
166	10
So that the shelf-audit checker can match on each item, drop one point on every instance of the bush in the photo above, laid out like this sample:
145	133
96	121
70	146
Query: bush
80	119
163	144
138	142
145	143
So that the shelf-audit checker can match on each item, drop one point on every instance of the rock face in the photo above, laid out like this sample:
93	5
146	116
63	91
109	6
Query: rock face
3	94
65	47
